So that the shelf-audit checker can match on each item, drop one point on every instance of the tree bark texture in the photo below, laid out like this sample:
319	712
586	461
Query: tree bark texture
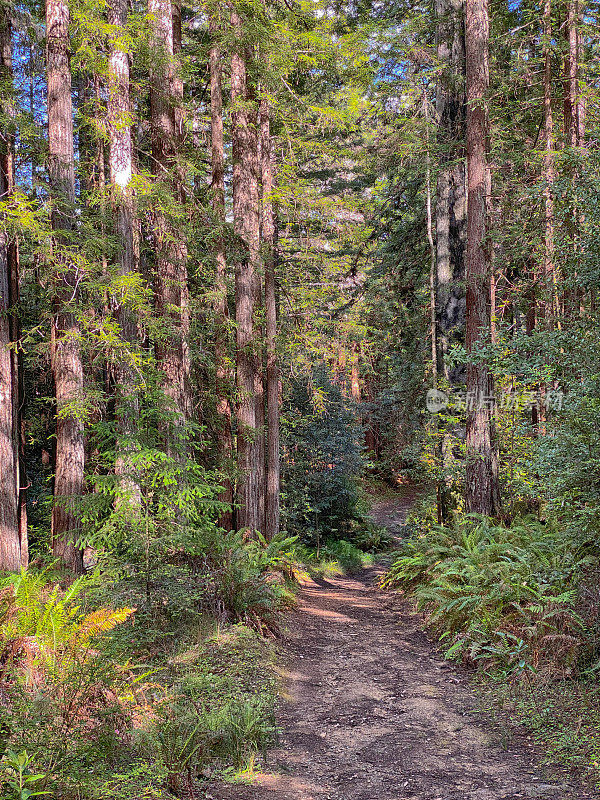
222	371
67	362
451	205
170	279
246	225
482	488
10	533
121	173
272	512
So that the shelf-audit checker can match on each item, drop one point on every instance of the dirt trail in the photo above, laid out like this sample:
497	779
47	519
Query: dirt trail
372	712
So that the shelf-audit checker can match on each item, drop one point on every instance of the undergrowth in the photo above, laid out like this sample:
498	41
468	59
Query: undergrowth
149	699
562	716
497	596
334	557
80	719
520	604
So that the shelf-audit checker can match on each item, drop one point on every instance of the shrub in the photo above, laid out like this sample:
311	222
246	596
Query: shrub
61	699
498	595
371	538
248	580
321	459
334	557
217	711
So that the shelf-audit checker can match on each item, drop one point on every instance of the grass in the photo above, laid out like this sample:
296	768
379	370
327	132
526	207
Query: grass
333	558
562	717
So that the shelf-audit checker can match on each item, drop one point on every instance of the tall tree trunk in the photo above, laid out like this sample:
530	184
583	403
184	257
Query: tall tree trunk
121	173
450	214
570	79
573	136
10	535
550	305
451	207
268	238
432	248
224	436
181	195
67	365
246	225
170	281
354	374
482	488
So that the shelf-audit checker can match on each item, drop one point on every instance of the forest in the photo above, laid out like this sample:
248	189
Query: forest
299	308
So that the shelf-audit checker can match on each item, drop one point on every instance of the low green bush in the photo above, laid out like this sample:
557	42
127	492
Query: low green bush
62	718
79	720
217	711
497	595
372	538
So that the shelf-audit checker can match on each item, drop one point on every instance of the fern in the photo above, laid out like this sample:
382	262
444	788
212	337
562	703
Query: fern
496	594
44	627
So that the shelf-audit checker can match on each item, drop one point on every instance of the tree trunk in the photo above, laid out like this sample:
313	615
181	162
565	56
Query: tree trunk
550	305
181	195
571	89
573	134
121	173
354	374
10	534
67	363
246	225
432	248
482	489
224	436
268	238
170	281
451	207
341	376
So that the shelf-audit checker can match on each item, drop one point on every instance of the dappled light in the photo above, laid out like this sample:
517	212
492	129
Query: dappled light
299	400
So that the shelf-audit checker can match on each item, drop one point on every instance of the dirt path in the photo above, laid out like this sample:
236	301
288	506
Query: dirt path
373	713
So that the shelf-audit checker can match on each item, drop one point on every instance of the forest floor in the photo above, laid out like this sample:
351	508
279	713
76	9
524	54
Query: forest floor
371	711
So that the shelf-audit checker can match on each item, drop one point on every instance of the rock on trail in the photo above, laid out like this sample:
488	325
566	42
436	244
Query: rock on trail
372	712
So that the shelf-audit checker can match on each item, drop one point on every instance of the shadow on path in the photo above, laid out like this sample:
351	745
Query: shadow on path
372	712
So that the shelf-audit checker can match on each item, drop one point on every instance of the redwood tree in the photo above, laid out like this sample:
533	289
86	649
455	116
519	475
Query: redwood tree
67	365
170	278
10	535
482	488
224	436
121	172
250	488
451	205
272	373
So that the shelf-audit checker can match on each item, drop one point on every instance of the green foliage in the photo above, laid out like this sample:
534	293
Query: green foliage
218	710
19	780
249	581
86	717
371	538
334	557
62	699
498	595
321	460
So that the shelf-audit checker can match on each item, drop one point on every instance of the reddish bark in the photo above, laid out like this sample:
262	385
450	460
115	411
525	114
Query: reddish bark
171	287
482	488
121	173
250	488
224	435
272	374
12	549
67	365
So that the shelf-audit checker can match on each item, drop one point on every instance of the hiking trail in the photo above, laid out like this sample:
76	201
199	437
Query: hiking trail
371	711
